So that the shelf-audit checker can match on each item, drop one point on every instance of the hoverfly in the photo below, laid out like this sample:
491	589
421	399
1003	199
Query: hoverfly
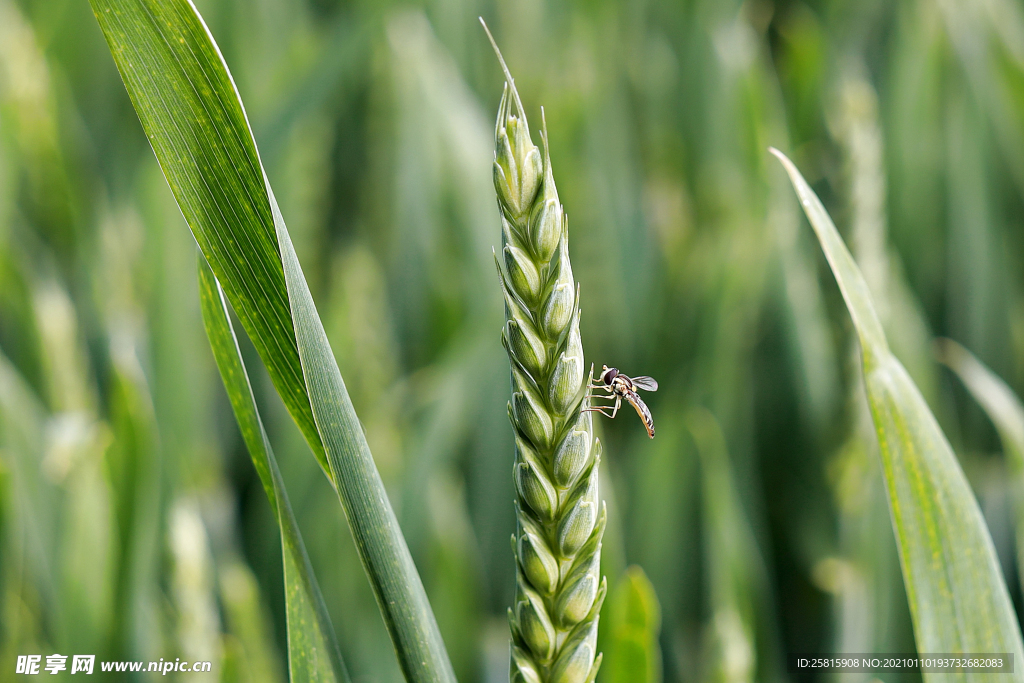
619	387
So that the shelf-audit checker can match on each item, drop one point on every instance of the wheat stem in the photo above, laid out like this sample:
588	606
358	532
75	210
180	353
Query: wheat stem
559	589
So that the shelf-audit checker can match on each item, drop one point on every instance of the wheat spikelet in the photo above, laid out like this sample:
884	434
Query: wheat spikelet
557	544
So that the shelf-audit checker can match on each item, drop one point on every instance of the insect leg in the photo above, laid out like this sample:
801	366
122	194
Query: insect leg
599	409
592	396
599	404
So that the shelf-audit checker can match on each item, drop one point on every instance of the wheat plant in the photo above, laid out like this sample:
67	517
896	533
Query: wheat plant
560	521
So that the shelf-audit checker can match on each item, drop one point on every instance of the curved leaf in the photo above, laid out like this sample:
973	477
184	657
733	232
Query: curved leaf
195	121
634	623
958	597
312	651
382	548
1005	410
1003	406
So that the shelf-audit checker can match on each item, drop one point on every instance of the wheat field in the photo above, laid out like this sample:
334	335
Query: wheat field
798	496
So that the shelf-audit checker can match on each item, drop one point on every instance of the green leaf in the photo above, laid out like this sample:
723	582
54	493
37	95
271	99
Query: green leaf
194	119
312	651
741	638
196	124
250	649
1003	406
36	503
958	598
1005	410
134	469
634	616
396	583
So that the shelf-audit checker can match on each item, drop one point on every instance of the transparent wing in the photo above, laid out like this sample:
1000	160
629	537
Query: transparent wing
646	383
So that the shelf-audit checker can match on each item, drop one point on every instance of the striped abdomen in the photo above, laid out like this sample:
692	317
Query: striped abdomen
642	410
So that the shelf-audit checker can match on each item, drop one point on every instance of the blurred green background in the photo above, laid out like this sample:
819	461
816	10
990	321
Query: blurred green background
132	523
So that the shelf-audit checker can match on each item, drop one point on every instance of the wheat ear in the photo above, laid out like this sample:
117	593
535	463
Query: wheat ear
557	545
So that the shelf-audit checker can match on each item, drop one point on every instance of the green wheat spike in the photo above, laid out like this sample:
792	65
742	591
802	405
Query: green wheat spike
559	588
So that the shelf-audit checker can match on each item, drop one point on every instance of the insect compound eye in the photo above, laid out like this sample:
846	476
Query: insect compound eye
609	375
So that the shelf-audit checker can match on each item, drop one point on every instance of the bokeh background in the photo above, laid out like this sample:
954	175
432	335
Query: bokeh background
133	525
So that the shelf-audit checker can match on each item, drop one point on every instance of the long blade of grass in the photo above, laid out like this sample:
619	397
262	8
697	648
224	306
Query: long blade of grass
997	399
135	470
36	504
634	616
958	598
194	119
741	633
312	651
196	124
1005	410
396	583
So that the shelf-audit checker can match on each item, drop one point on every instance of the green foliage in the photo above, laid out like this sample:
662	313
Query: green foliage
1005	410
132	519
195	121
634	624
312	651
1000	403
739	647
202	140
958	598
